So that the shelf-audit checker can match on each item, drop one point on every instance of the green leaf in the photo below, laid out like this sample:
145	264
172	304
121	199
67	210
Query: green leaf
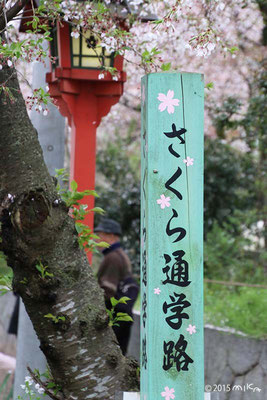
109	313
233	49
3	291
90	193
37	373
77	195
103	244
125	318
114	301
155	51
50	385
38	267
60	171
74	186
3	281
123	300
49	274
98	210
209	86
94	236
49	315
79	228
157	22
166	67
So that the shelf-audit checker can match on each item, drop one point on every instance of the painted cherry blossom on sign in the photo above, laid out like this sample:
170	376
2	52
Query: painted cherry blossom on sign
189	161
168	394
191	329
167	102
157	290
164	201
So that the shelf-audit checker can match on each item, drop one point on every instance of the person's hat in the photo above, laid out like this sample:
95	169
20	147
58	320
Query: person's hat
109	226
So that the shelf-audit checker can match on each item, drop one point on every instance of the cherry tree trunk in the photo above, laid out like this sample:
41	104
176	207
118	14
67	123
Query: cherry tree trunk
81	350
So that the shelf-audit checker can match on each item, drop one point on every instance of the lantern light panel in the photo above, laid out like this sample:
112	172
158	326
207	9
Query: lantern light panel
87	52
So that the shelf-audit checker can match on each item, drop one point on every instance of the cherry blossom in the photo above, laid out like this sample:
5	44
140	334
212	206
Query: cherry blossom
9	63
167	101
210	47
29	380
168	394
164	201
135	3
101	76
157	290
189	161
220	7
29	391
191	329
75	34
109	42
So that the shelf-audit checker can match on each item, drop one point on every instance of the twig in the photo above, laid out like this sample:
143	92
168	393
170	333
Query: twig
47	391
5	18
11	13
10	76
25	79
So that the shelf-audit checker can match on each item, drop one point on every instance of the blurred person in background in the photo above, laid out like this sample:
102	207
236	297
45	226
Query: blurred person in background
115	277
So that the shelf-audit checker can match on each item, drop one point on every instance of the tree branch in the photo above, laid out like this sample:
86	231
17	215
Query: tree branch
47	391
11	13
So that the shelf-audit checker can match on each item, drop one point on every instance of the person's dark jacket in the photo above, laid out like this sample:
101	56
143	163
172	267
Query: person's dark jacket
114	268
115	277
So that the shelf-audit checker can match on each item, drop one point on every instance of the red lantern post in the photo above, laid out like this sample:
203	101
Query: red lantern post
83	98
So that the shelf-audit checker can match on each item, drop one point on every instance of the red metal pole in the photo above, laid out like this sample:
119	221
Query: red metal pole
83	147
84	103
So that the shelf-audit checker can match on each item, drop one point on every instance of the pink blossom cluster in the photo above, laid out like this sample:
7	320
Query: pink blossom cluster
36	102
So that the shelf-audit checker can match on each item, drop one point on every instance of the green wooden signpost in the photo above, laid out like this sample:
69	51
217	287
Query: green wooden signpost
172	359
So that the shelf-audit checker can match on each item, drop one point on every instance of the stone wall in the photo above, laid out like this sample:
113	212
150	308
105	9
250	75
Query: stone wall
235	366
7	342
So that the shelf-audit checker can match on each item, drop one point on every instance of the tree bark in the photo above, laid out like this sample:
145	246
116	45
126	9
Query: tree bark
81	351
